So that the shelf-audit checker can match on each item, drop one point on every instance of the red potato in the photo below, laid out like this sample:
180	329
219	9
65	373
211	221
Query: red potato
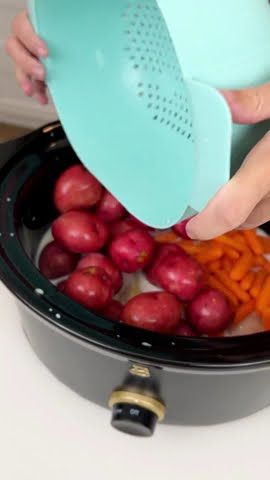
185	330
158	311
91	287
99	260
122	226
210	313
113	311
61	286
132	251
162	252
80	232
180	275
181	228
109	209
76	189
54	262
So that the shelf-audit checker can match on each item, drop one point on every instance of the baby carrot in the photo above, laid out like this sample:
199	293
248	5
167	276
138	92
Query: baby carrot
231	242
237	235
243	311
263	299
215	283
253	241
211	254
265	243
262	262
242	266
166	237
265	315
227	264
233	286
248	281
189	247
231	253
258	283
214	266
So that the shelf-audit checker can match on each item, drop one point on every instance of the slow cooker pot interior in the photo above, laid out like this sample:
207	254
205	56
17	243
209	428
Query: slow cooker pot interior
26	211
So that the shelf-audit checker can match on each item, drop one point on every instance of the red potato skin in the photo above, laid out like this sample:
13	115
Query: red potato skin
113	311
158	311
109	209
122	226
80	232
180	275
185	330
76	189
91	288
61	286
132	251
210	313
162	251
99	260
55	262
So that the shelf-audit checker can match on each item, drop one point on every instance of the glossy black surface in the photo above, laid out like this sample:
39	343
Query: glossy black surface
28	170
133	420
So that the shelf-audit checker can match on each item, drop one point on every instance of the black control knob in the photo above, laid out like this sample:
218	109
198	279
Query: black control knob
135	413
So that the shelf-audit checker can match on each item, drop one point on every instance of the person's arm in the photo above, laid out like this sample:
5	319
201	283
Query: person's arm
26	48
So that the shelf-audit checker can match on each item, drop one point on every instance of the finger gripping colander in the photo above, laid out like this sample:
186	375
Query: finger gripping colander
141	128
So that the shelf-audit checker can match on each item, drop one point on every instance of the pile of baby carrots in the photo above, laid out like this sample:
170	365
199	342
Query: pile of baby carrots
236	265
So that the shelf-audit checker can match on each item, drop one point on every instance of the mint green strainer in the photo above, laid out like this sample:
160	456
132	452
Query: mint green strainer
158	141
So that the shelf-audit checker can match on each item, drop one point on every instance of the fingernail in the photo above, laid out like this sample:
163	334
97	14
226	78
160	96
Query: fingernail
181	229
42	52
38	72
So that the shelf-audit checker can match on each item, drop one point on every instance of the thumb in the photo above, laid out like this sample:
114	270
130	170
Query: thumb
249	106
236	200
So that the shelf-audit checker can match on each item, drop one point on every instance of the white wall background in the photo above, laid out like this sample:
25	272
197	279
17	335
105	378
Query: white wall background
14	107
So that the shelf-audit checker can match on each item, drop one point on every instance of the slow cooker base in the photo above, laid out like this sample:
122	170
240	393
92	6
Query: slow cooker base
193	397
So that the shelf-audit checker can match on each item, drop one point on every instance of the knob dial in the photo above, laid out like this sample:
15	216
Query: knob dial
135	413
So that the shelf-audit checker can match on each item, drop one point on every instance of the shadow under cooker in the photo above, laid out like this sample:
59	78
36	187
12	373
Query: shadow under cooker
201	381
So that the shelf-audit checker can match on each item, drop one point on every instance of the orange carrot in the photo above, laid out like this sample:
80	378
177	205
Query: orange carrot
266	318
231	253
167	237
237	235
243	311
253	241
214	266
258	283
208	255
227	264
231	242
242	266
215	283
261	261
233	286
248	281
189	247
263	299
265	243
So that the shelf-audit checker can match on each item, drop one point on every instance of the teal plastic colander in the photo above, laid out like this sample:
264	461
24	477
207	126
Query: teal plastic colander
158	140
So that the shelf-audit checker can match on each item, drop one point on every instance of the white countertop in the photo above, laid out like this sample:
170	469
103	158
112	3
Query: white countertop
47	432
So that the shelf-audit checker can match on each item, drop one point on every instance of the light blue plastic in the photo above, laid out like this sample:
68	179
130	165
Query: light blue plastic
225	44
149	135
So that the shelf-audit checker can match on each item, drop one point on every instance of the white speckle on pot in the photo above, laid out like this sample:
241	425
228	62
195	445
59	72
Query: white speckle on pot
39	291
8	199
12	234
146	344
50	310
173	344
57	315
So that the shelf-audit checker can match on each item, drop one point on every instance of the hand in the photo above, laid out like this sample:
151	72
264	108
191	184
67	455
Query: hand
25	48
244	202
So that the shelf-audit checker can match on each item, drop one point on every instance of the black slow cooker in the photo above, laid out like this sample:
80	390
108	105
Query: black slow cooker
143	377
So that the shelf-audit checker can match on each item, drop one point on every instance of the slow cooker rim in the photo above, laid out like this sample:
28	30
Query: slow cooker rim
230	358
